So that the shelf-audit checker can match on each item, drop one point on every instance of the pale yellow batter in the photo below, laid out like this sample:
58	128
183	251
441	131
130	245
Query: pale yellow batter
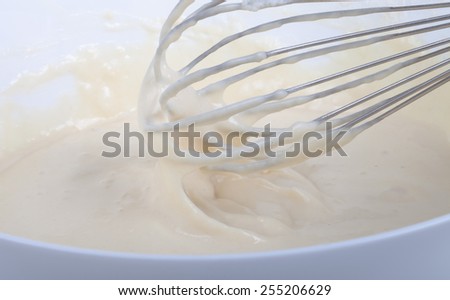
58	188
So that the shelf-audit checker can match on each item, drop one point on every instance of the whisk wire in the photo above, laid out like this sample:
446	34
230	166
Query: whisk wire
354	116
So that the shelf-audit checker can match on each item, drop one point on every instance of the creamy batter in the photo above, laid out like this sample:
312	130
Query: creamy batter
56	187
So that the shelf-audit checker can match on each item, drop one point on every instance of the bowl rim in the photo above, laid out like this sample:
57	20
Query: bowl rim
298	251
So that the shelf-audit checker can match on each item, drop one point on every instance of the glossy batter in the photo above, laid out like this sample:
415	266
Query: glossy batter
57	187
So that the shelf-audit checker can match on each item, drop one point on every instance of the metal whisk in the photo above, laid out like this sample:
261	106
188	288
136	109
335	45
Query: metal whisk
164	91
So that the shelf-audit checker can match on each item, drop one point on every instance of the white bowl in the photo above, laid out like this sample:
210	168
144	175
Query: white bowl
420	251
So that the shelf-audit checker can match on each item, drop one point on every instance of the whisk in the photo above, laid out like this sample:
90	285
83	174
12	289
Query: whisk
164	97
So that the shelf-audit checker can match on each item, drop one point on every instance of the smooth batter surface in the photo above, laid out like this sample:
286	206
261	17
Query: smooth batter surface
58	188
